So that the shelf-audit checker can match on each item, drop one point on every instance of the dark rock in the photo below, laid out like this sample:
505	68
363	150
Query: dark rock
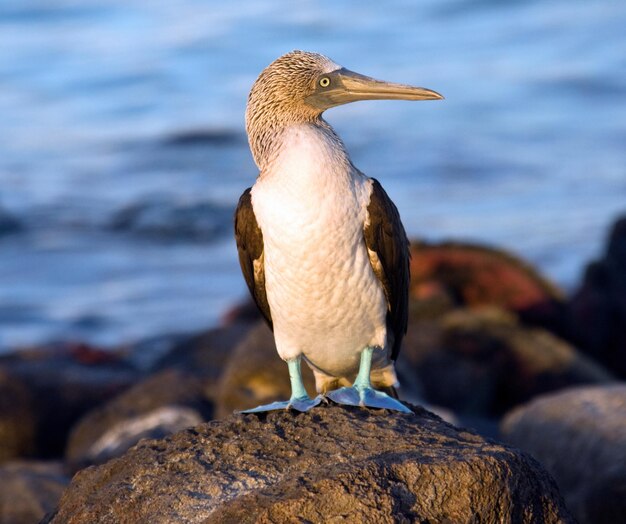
472	275
159	406
256	375
484	362
616	249
17	419
206	355
579	435
29	490
606	500
65	382
598	309
162	218
147	353
328	465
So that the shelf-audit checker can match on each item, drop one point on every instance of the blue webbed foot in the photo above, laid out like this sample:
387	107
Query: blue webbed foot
299	404
300	400
366	397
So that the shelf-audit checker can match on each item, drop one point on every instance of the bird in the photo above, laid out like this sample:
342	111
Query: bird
321	246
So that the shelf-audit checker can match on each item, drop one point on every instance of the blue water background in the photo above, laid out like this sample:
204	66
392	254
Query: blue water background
112	105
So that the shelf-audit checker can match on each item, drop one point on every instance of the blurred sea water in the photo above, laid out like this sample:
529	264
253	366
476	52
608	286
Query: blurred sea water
123	151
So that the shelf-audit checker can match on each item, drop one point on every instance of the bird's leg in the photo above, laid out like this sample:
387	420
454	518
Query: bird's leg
362	381
299	400
362	393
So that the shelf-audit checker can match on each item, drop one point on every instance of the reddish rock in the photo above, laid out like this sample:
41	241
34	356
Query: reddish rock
473	276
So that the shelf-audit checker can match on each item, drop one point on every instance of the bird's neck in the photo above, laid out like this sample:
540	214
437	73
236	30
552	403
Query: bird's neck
309	158
267	142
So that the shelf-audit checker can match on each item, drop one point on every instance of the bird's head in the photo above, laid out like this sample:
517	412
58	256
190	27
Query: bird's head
299	86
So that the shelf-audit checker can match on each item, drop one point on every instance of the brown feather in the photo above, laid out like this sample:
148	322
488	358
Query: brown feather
249	240
385	237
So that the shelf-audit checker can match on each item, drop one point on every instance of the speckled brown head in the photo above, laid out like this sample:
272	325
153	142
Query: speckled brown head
299	86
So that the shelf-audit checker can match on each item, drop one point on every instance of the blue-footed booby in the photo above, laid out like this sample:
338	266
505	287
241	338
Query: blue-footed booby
320	244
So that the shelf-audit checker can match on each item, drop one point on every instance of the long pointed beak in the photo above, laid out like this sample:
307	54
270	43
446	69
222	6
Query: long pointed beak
347	86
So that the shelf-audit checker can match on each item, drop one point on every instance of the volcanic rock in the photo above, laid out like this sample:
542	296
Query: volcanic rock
206	355
331	464
473	275
598	309
483	362
579	435
159	406
64	383
17	418
29	489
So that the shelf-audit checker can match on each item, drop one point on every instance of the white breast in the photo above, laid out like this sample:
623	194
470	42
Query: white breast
325	300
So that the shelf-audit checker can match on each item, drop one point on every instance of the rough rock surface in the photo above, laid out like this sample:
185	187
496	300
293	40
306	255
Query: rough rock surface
17	419
28	490
332	464
579	435
484	362
156	407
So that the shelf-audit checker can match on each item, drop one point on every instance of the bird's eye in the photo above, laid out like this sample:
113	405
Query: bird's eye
325	81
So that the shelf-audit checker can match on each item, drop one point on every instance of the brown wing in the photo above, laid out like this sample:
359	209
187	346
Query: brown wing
250	247
390	257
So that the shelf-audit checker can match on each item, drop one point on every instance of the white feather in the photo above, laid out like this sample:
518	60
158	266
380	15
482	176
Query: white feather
325	301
